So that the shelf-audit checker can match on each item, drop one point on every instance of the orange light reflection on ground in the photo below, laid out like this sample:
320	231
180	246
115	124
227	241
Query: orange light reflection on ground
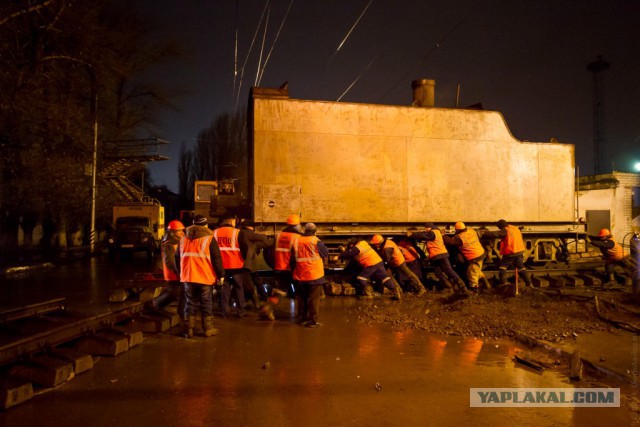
436	347
368	341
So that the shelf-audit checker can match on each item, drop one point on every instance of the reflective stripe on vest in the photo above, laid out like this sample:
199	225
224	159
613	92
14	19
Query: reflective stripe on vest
169	274
309	264
195	261
284	241
227	238
511	243
471	247
396	258
615	253
436	247
367	256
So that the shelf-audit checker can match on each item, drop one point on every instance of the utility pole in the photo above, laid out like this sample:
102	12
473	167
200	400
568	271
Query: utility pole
598	67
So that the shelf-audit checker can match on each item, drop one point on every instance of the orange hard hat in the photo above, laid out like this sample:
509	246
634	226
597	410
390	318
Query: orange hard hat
460	225
175	225
377	239
293	219
604	233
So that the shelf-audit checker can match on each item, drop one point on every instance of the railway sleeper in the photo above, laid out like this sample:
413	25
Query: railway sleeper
102	345
14	391
44	370
574	280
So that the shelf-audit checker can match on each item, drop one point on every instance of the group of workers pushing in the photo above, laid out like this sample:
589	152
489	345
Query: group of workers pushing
199	262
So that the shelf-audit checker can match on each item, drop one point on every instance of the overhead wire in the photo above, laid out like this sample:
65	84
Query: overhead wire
255	34
357	78
344	40
235	55
426	55
350	31
274	42
264	38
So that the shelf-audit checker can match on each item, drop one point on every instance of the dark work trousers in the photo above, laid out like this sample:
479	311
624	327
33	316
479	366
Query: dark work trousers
309	294
414	266
516	261
443	267
403	270
377	274
174	291
198	298
233	283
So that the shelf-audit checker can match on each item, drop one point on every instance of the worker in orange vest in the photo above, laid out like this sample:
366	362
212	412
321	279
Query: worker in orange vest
307	257
438	255
511	251
613	255
412	257
200	264
174	290
282	254
468	241
372	268
395	261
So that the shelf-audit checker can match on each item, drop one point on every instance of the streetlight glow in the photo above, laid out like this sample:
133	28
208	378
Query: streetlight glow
636	166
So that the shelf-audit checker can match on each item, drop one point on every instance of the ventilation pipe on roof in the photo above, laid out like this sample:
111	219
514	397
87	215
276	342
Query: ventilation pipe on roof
423	93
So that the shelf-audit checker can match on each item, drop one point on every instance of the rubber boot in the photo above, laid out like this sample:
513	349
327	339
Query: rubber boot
446	283
421	290
397	293
188	326
485	283
612	279
462	287
368	292
207	325
503	278
526	276
255	299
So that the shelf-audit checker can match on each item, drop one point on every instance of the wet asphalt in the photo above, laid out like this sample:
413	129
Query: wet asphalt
280	373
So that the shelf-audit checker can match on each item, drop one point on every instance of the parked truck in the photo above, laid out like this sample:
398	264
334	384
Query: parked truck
137	227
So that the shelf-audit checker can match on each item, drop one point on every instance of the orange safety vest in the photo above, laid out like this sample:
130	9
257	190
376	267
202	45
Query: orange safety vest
409	252
227	238
471	247
367	256
436	247
615	253
396	258
309	265
195	261
284	242
169	274
512	243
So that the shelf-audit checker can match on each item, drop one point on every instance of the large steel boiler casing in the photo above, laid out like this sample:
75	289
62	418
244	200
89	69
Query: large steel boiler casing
344	163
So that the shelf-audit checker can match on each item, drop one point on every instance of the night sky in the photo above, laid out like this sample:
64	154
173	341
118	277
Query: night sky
525	59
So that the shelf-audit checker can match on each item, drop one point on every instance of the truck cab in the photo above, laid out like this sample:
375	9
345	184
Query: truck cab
137	227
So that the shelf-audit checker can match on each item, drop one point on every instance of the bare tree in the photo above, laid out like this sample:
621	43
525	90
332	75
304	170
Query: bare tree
63	66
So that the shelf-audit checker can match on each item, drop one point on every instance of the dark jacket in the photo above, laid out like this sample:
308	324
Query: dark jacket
169	253
197	232
429	236
255	242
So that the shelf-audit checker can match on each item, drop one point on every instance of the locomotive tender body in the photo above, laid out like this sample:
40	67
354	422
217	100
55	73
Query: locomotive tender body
390	167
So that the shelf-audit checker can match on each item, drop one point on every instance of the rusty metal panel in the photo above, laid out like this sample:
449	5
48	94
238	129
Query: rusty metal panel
274	202
394	164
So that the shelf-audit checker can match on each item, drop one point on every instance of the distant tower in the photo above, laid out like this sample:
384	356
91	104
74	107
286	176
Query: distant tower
597	68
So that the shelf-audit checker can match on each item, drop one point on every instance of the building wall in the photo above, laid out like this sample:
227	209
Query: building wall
613	192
